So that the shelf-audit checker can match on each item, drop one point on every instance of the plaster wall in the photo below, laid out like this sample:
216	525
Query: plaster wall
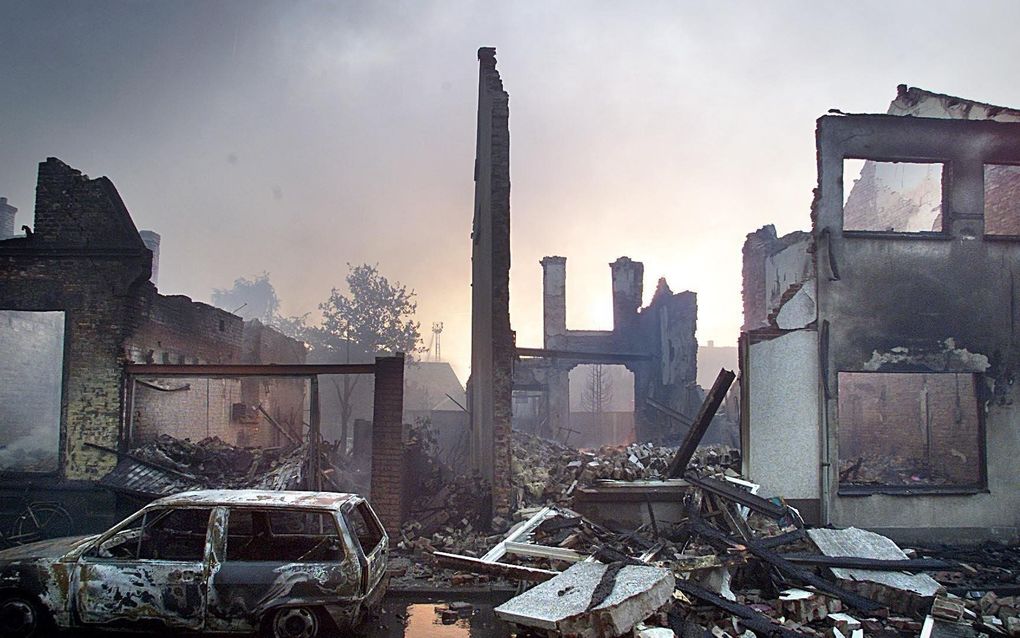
783	450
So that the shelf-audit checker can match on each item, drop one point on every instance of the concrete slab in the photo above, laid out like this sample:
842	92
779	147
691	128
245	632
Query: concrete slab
561	604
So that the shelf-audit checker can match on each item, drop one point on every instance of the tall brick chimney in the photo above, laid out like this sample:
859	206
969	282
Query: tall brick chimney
6	219
554	302
628	288
151	241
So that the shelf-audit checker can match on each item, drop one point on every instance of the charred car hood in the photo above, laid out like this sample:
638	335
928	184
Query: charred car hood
52	548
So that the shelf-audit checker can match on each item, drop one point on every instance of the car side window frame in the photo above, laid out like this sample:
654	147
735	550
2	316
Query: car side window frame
92	553
338	530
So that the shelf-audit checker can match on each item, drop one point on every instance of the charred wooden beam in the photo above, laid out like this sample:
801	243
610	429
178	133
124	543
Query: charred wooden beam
492	568
857	562
584	357
751	619
789	569
734	493
701	422
247	370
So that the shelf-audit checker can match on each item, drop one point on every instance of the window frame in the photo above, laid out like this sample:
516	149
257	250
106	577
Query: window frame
59	470
846	489
985	235
330	514
946	187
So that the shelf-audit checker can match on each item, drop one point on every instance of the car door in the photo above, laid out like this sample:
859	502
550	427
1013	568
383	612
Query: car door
149	570
274	557
366	528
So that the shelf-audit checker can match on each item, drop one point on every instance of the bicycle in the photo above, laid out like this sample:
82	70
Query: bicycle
36	521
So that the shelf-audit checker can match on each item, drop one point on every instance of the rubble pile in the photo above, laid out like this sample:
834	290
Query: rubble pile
214	463
545	471
173	465
742	563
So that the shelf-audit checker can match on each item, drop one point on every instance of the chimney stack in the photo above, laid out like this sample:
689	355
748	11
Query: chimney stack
6	219
151	241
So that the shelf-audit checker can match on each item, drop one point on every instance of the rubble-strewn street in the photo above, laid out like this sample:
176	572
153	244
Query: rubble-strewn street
311	360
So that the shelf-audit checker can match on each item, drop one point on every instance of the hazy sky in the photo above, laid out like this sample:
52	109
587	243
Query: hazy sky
293	137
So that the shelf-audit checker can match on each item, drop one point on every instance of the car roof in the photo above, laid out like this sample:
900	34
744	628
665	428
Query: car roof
261	498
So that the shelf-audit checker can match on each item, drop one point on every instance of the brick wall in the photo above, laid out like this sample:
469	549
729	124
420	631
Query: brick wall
388	486
87	260
1002	200
888	416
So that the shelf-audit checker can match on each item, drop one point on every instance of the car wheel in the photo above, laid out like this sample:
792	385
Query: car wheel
21	617
295	622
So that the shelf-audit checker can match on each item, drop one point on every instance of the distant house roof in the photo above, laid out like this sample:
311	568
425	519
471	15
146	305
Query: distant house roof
429	383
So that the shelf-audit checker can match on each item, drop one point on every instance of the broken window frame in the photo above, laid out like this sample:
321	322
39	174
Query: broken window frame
1007	237
323	515
947	174
65	338
845	489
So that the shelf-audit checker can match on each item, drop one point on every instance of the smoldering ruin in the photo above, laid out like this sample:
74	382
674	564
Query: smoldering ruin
848	474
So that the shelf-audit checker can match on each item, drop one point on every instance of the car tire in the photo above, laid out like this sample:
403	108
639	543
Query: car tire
295	622
22	617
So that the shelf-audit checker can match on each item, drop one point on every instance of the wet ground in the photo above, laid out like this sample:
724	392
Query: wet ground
433	616
406	615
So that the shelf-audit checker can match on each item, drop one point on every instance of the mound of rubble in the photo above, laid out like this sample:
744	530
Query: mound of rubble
169	465
742	566
545	471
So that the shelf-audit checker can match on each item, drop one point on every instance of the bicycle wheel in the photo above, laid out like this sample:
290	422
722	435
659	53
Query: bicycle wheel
40	521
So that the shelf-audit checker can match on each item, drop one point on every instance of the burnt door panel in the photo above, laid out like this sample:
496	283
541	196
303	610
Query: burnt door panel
153	574
276	557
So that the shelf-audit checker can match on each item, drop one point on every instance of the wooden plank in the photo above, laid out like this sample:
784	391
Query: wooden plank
713	400
479	566
498	551
543	551
751	619
734	493
860	562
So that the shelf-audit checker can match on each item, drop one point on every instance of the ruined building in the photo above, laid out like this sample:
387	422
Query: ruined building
77	303
492	341
879	350
655	343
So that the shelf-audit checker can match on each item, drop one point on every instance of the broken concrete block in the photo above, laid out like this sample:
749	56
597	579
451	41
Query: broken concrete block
844	622
901	592
655	632
560	604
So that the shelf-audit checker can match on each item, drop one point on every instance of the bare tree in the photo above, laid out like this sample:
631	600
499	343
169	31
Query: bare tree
597	393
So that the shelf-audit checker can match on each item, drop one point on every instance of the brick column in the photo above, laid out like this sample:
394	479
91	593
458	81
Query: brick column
387	487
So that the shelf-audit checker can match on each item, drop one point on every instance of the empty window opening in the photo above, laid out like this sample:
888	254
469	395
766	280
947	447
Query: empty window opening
900	197
1002	200
365	527
909	429
601	406
283	536
31	373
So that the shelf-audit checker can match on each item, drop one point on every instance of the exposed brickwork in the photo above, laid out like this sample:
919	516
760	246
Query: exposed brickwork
492	341
1002	200
889	415
388	486
85	258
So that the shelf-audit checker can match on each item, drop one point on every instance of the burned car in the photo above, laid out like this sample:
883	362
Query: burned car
224	561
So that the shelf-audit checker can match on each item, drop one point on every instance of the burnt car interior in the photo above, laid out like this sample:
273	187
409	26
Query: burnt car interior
169	534
282	535
365	527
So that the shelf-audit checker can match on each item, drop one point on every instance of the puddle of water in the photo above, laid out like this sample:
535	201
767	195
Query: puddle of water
418	619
